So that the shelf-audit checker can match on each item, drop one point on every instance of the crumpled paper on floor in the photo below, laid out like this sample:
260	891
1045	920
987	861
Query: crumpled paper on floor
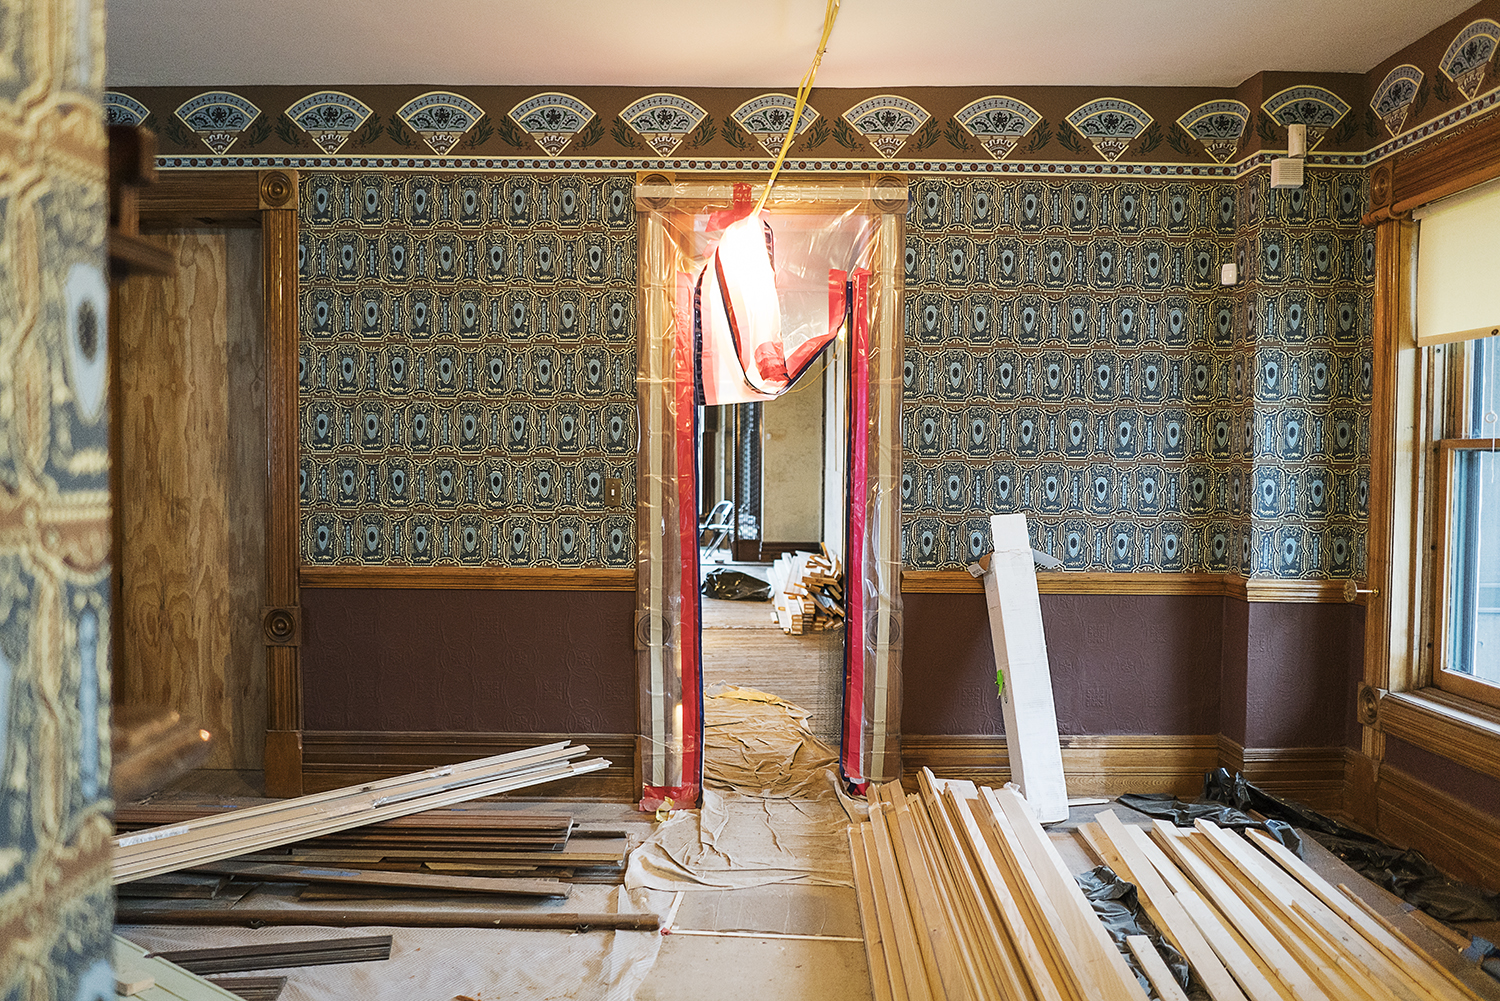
774	809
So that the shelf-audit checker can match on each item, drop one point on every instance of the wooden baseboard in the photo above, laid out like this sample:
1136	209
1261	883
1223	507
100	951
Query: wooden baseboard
1312	776
1094	765
1460	840
332	759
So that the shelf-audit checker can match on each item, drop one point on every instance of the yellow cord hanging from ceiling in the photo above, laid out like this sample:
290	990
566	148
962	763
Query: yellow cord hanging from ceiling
829	16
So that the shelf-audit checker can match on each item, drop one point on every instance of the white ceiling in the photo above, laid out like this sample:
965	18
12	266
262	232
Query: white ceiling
752	43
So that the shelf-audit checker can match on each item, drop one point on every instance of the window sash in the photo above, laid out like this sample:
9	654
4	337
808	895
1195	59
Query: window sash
1458	584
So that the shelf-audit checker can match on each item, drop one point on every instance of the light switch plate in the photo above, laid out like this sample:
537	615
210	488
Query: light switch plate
614	492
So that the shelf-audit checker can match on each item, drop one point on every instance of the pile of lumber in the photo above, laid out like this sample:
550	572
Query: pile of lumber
962	895
400	846
807	592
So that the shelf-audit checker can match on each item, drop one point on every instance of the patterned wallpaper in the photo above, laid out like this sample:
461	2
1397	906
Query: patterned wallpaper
469	359
1070	353
468	369
56	905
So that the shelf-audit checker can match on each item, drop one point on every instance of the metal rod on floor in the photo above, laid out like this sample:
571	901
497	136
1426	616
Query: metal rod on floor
705	933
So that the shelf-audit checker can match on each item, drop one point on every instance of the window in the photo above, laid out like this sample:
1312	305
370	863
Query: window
1467	646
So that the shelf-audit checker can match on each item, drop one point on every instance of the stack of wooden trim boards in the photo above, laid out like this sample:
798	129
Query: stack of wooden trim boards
393	840
807	592
963	896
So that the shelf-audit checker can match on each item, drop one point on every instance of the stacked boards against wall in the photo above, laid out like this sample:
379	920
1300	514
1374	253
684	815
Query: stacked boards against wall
807	592
963	895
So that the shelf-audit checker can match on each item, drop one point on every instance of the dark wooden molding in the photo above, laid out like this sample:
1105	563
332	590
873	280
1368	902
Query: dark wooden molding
1094	765
1069	582
132	170
193	199
332	759
283	665
471	578
1458	729
281	625
1313	776
1450	162
1461	841
1111	764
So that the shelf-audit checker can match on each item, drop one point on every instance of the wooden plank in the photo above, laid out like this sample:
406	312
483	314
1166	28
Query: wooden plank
172	983
1098	952
253	988
385	916
971	954
170	856
298	822
1037	910
1239	963
1166	986
1413	962
1221	939
914	966
1280	890
1165	912
278	955
1309	950
432	882
896	976
1400	936
934	920
1297	981
881	980
350	800
127	988
991	942
398	783
1047	982
882	819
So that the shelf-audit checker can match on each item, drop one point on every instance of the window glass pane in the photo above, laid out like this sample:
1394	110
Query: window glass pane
1474	611
1483	422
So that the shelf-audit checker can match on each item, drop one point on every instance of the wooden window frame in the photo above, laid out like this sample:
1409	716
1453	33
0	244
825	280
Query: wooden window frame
1459	375
1412	408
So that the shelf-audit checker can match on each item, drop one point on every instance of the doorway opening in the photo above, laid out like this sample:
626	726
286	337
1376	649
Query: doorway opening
691	462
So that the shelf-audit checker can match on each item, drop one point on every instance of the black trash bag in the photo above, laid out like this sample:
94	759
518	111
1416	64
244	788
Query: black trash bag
1222	786
733	585
1405	872
1409	875
1117	905
1184	814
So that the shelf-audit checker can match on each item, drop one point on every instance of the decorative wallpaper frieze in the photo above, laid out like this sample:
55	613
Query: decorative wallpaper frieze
468	369
1319	108
1468	57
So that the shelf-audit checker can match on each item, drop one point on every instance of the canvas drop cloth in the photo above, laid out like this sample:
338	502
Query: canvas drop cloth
773	808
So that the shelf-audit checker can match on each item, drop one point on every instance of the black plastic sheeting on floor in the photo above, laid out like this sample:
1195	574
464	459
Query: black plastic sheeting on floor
1405	872
1117	905
734	585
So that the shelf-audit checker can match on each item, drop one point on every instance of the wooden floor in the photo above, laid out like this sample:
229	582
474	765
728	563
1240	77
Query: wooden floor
742	646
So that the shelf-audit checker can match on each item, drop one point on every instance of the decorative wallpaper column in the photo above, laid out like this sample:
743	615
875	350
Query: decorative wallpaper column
56	908
1306	338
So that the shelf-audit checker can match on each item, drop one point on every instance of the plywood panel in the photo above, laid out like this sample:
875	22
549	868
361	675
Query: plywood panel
174	481
245	664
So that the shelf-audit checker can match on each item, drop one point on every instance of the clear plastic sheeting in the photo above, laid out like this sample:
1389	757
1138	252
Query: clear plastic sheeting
836	249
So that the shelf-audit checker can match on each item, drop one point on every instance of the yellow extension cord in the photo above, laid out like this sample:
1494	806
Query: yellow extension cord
803	89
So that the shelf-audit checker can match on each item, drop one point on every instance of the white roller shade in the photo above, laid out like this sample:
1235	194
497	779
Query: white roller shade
1458	266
